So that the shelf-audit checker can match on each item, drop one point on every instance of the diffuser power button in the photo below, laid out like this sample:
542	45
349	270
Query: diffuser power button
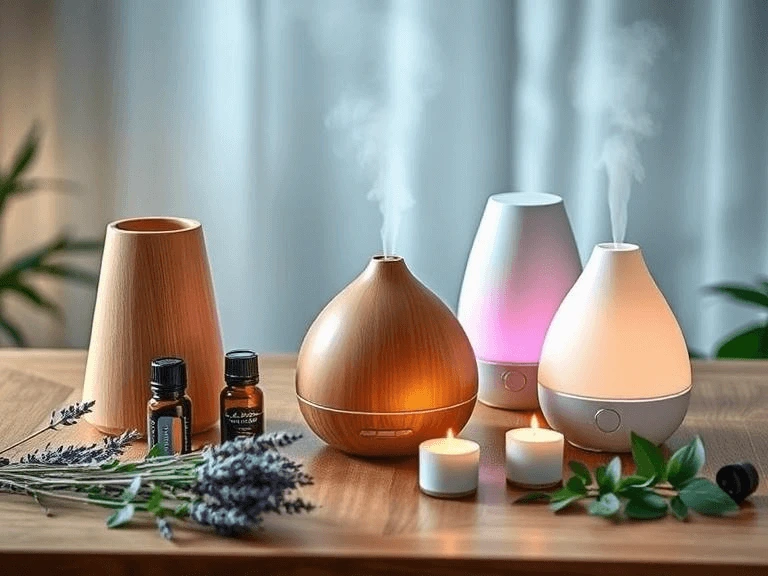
607	420
513	380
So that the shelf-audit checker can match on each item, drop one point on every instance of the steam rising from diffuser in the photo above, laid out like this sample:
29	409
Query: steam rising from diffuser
382	130
624	96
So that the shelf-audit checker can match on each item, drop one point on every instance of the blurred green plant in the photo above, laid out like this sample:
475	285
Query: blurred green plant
750	342
17	275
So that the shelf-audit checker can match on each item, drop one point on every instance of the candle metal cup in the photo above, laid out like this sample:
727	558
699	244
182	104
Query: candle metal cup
449	467
534	457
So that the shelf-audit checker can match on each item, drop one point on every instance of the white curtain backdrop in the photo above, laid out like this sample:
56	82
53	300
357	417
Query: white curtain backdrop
216	110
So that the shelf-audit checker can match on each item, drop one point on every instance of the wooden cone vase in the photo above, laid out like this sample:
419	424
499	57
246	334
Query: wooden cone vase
385	366
155	298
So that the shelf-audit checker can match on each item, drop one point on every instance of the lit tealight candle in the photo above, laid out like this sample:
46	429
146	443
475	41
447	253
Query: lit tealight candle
534	456
448	467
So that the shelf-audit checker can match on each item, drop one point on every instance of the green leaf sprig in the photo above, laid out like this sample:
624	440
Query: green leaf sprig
18	276
750	341
658	486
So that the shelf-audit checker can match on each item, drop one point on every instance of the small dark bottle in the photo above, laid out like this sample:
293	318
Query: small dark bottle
169	411
242	401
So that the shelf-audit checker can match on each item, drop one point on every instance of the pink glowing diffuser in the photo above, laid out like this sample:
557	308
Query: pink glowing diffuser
522	264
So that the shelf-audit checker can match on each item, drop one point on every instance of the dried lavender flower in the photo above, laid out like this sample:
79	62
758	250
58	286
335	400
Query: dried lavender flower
241	480
228	487
226	521
164	527
66	416
109	448
251	444
71	414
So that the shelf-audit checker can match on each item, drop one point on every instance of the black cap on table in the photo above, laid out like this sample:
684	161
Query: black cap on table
738	480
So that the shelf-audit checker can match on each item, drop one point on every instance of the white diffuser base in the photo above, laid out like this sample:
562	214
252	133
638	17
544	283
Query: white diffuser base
508	386
605	425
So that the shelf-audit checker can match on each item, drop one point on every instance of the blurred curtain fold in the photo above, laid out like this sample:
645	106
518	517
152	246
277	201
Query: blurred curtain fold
215	109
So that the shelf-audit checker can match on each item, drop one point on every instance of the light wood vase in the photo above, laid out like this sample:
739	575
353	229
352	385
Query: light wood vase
385	366
155	298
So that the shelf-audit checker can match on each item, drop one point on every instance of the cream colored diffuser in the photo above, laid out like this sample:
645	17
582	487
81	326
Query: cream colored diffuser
155	298
385	366
614	360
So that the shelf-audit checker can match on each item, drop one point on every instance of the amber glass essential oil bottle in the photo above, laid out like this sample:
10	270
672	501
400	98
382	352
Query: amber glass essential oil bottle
242	401
169	411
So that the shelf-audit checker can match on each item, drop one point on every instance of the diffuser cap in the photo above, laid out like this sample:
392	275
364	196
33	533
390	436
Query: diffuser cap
241	366
168	375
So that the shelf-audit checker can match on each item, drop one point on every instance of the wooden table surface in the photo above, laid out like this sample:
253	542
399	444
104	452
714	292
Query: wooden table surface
372	518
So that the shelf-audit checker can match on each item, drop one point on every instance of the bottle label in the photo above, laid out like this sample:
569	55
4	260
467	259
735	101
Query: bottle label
168	433
239	422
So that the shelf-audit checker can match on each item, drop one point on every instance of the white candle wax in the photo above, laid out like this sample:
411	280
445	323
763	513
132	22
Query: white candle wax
448	467
534	457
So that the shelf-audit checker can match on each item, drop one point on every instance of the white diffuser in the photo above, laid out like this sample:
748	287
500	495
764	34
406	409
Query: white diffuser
523	262
614	360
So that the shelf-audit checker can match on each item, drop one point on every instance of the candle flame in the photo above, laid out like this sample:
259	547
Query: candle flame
534	422
450	433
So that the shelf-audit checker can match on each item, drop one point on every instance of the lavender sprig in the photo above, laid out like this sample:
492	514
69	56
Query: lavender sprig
164	527
228	488
71	414
110	447
241	480
67	416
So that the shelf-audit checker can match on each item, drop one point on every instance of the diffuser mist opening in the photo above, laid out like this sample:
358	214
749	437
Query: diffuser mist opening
618	246
526	199
383	258
155	225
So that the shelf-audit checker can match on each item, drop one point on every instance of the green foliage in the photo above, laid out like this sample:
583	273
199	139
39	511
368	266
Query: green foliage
706	498
645	504
686	463
657	487
581	471
751	342
155	452
606	506
678	508
648	459
743	293
121	517
16	276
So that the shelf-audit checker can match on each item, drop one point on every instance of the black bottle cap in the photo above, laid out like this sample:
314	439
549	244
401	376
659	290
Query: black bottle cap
738	480
241	366
168	376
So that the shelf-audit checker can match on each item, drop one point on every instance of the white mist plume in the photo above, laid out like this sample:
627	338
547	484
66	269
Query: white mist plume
624	95
383	127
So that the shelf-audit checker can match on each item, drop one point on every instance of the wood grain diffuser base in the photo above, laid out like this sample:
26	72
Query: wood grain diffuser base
155	298
385	366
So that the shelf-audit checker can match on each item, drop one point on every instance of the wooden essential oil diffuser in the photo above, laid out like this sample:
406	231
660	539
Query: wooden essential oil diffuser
155	298
385	366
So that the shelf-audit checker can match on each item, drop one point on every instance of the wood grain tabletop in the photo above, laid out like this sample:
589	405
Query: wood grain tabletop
372	519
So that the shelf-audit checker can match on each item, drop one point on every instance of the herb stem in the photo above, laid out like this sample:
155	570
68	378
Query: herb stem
92	480
28	438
